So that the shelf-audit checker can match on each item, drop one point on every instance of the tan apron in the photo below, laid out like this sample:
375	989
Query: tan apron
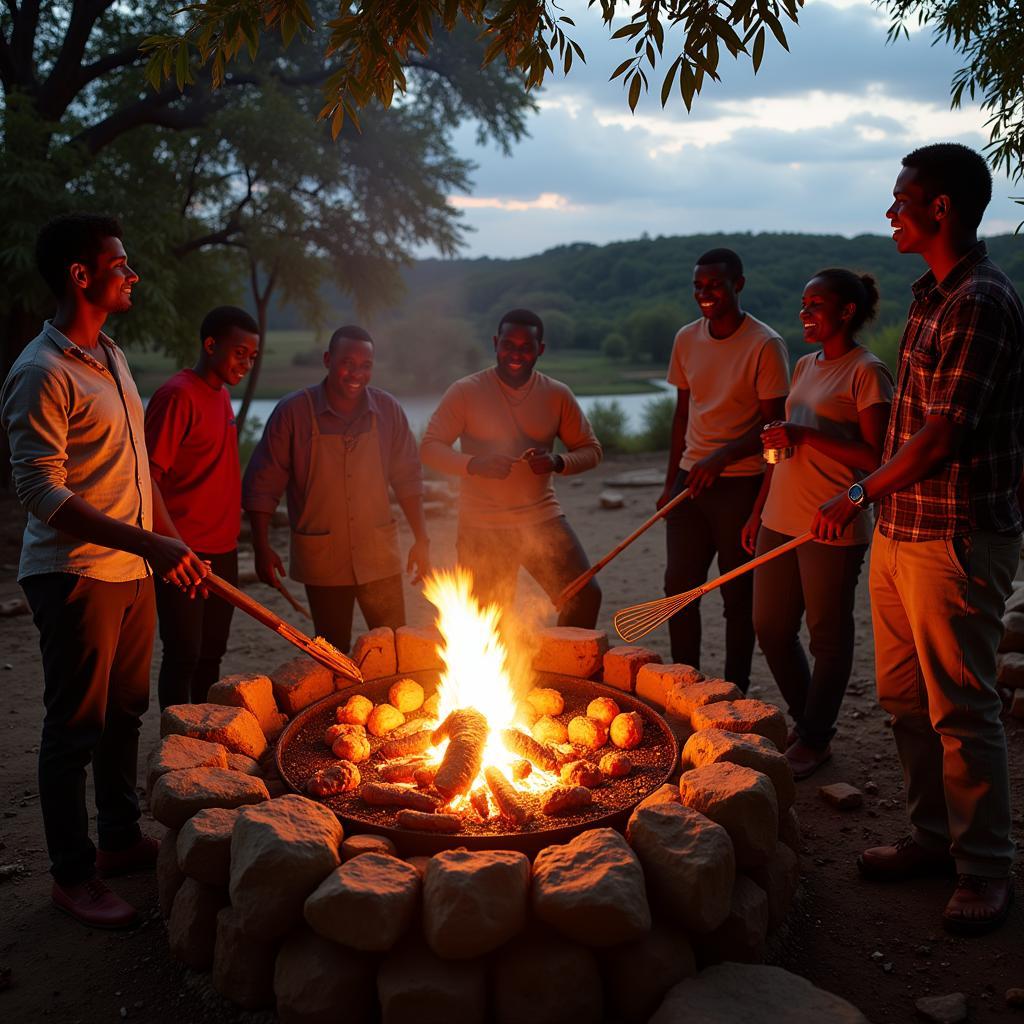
345	532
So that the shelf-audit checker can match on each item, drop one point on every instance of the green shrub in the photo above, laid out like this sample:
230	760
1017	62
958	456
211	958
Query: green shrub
609	422
657	415
614	346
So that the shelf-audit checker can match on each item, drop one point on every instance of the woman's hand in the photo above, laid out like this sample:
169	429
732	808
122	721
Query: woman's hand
748	535
783	434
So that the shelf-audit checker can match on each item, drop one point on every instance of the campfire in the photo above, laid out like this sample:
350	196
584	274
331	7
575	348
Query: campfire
470	751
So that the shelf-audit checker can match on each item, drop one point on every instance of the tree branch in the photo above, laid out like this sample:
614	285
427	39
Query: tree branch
65	79
7	68
111	62
24	22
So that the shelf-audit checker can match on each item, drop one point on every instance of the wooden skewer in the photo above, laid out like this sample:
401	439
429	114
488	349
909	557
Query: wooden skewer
640	619
584	578
333	659
291	599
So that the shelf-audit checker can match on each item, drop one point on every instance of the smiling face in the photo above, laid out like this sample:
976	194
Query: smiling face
517	350
915	215
349	363
716	291
823	314
232	356
107	282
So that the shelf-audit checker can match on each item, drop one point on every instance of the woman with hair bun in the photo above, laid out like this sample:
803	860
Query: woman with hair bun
836	417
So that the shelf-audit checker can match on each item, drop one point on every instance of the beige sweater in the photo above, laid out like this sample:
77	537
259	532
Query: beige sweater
489	418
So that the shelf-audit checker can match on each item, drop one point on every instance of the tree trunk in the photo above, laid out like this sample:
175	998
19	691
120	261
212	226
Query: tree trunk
262	299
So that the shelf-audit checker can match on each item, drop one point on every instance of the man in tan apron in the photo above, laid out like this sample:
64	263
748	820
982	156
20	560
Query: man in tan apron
506	420
334	449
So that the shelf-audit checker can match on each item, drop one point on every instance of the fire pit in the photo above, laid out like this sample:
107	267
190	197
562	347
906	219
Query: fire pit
301	752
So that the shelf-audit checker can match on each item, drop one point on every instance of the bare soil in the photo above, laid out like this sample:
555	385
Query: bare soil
881	947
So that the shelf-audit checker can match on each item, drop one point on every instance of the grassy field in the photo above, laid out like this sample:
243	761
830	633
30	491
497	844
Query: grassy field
586	372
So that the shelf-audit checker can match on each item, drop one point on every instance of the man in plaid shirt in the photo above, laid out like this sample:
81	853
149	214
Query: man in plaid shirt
948	539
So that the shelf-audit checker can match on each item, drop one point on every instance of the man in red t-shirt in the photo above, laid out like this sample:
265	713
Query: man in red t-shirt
193	457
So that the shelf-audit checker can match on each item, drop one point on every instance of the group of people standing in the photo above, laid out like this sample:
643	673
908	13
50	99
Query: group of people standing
118	496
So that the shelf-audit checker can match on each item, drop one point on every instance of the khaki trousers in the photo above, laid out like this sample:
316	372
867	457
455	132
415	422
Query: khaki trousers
936	608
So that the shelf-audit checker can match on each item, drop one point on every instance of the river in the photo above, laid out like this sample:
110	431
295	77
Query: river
419	407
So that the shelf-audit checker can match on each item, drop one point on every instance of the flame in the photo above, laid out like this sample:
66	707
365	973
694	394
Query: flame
476	669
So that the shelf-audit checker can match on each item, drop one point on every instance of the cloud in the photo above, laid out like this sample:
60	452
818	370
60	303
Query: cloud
811	144
545	201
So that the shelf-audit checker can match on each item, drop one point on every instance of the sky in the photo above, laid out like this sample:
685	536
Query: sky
812	143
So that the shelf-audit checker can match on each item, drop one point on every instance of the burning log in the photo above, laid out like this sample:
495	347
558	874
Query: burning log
429	822
510	803
414	725
482	806
424	777
402	771
526	746
521	770
466	730
404	746
383	794
566	799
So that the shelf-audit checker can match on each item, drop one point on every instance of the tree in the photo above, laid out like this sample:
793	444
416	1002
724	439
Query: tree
371	39
212	199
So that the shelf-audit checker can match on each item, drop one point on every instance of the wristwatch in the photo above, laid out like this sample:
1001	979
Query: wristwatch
858	495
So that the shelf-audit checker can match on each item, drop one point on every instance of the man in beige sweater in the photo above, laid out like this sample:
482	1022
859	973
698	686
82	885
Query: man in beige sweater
506	419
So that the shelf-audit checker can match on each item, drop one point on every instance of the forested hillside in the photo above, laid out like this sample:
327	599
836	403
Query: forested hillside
628	298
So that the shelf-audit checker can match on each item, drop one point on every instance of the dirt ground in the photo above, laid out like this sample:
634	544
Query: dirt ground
881	947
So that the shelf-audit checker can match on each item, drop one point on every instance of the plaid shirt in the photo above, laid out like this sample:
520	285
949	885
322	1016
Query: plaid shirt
962	357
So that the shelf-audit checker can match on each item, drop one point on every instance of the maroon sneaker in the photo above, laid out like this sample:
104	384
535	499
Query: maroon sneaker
92	903
805	760
139	857
906	859
978	904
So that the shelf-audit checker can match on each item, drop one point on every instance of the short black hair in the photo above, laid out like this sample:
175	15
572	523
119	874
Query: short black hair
951	169
219	321
860	289
72	238
350	332
525	317
727	257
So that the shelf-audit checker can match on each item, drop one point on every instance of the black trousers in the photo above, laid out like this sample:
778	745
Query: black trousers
96	640
380	601
550	552
697	530
194	633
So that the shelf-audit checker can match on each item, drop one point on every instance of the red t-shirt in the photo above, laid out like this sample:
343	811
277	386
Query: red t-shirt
193	442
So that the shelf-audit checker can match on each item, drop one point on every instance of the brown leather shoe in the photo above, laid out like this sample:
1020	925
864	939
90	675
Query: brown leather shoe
92	903
805	760
139	857
906	859
978	904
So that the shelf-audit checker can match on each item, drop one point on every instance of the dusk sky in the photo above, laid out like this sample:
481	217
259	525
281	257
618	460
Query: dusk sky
811	144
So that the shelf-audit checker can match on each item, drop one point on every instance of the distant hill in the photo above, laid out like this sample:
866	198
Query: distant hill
626	298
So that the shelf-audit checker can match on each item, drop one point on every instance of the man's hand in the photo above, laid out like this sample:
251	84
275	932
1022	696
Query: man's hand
704	473
541	461
494	467
748	535
833	517
174	561
269	567
419	560
783	434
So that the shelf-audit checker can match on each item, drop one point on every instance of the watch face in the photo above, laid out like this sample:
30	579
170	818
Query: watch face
856	494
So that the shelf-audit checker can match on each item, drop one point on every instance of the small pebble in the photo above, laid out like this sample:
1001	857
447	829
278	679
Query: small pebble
950	1009
842	795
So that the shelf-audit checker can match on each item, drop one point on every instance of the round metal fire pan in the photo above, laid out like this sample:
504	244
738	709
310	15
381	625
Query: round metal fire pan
300	752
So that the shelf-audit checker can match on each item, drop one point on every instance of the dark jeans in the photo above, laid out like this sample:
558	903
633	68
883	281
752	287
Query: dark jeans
821	580
381	603
550	552
194	633
96	640
697	530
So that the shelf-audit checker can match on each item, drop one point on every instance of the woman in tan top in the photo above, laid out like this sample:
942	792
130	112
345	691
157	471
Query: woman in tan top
836	417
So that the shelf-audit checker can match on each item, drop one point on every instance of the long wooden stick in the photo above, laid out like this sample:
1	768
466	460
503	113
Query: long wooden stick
333	659
291	599
584	578
640	619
